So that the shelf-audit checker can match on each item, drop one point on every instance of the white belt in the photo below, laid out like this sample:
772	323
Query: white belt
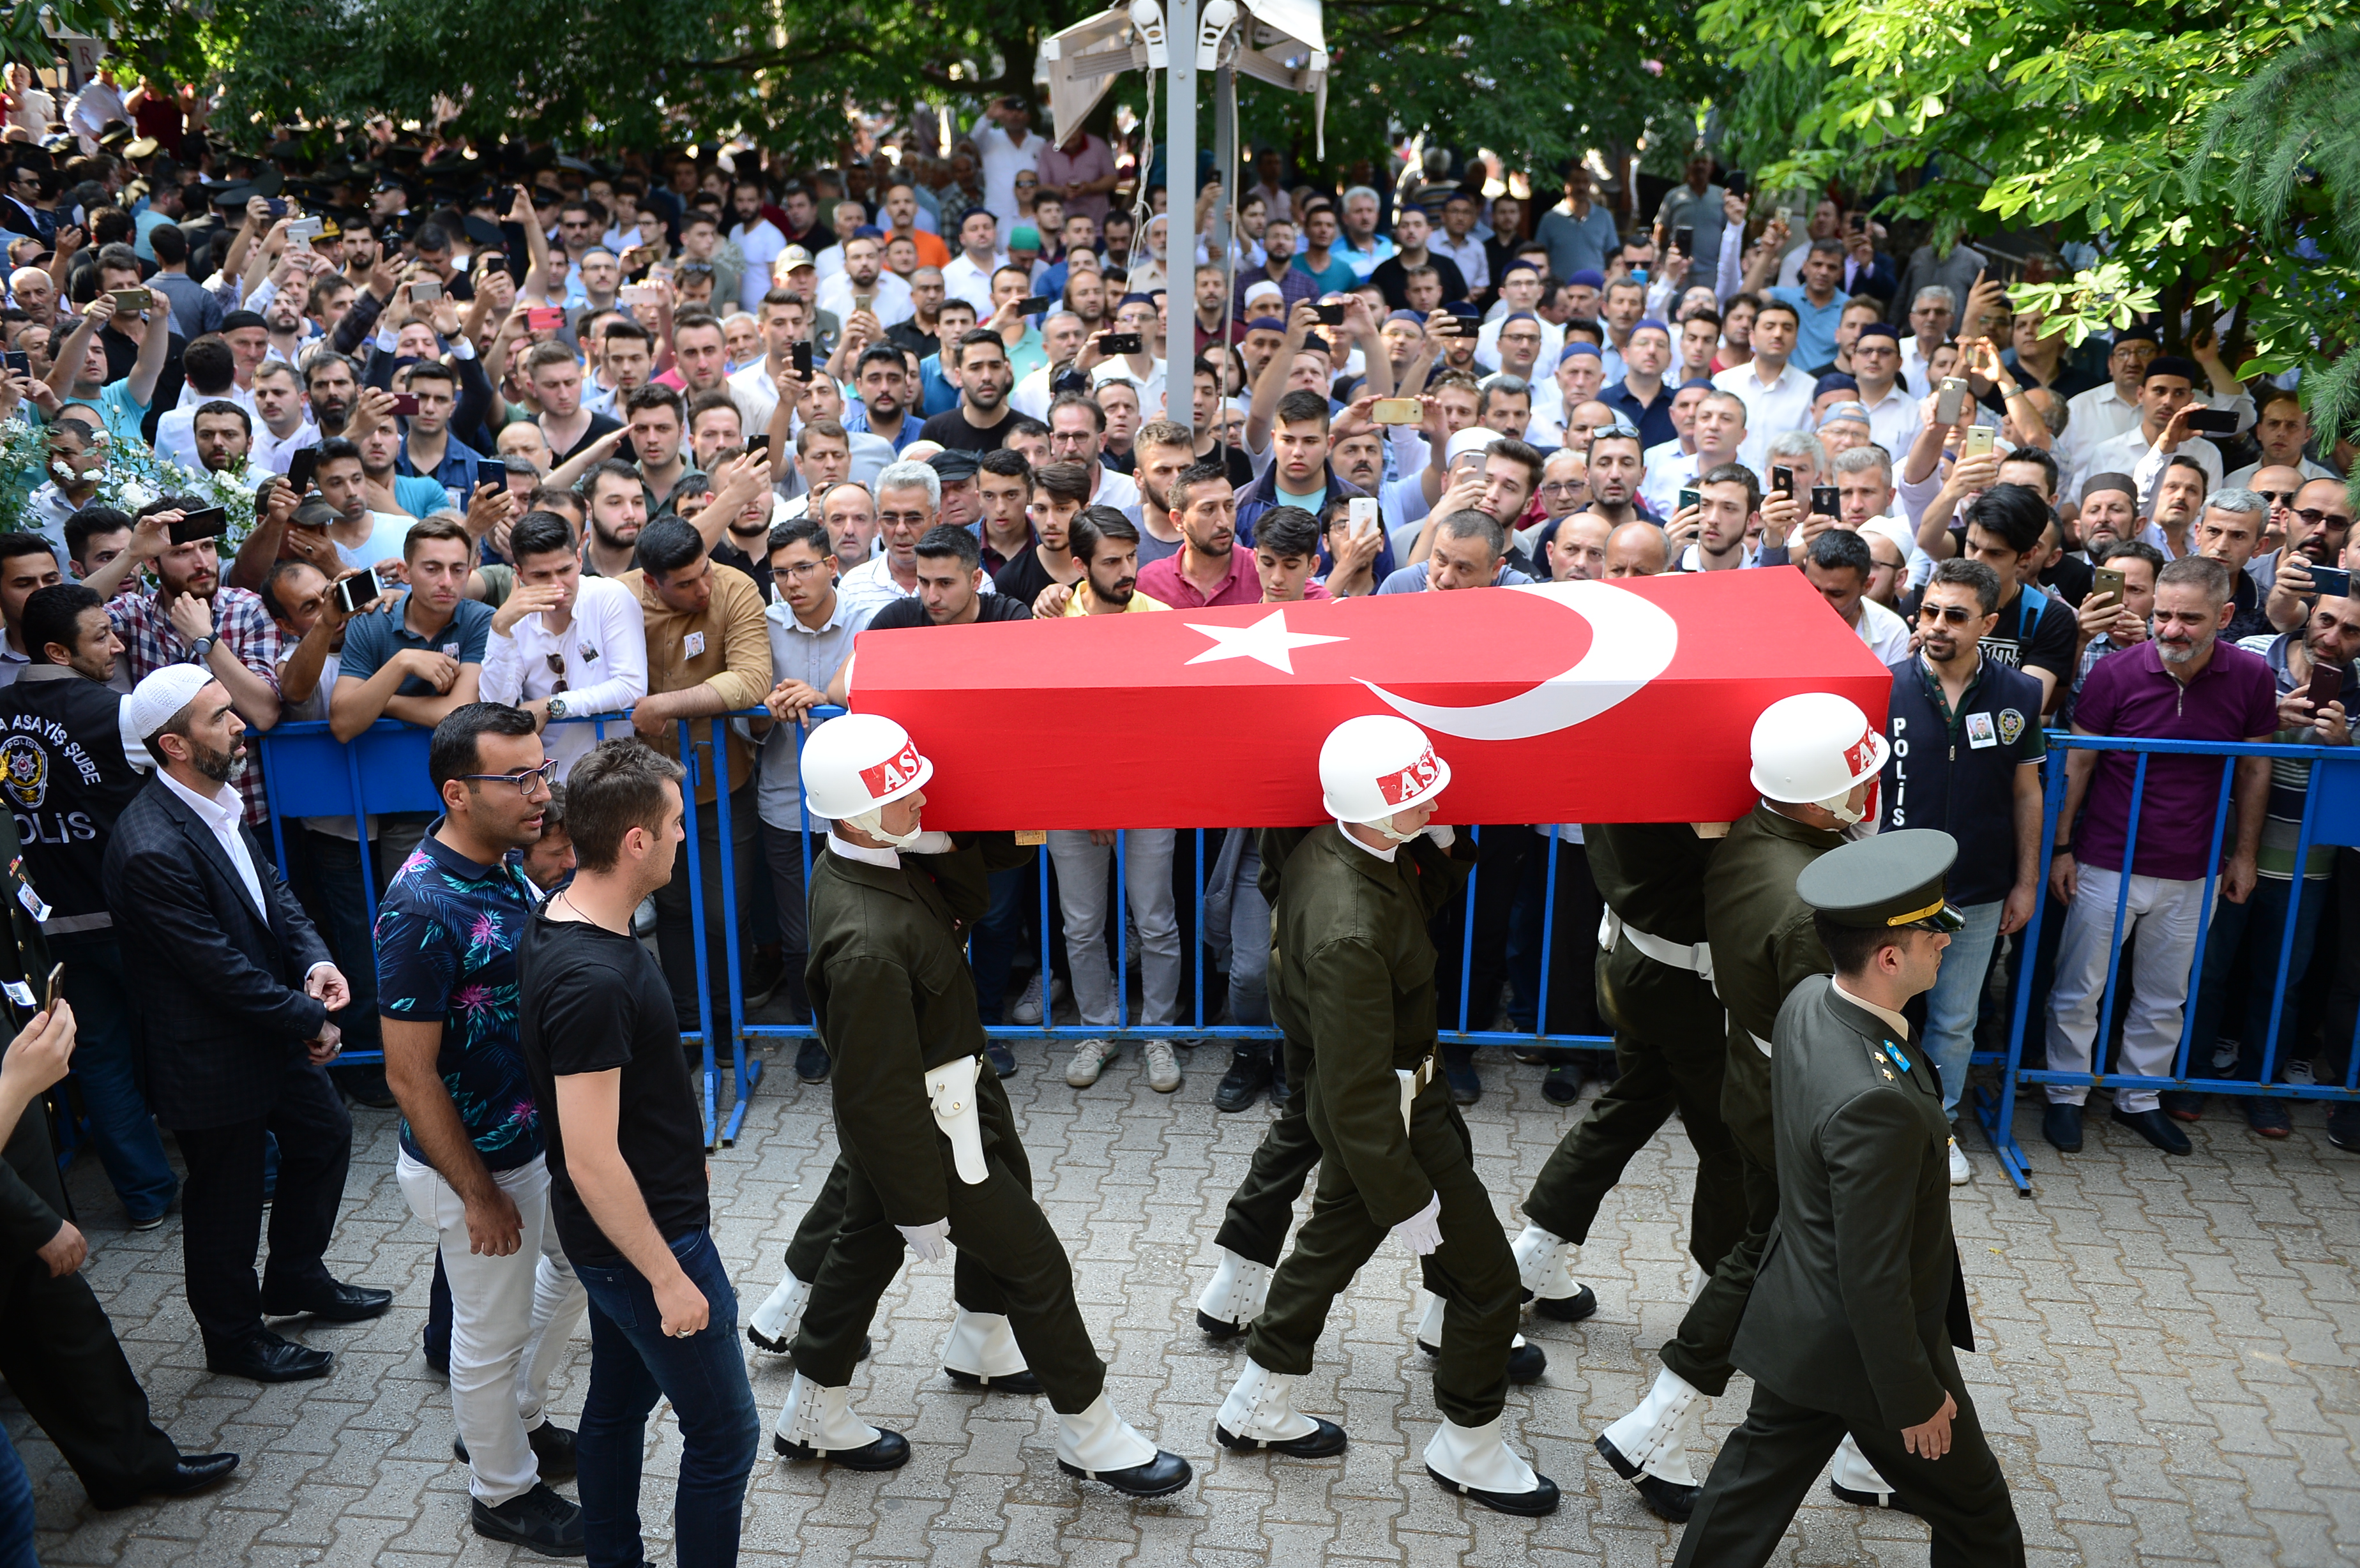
1759	1043
950	1089
1697	958
1413	1081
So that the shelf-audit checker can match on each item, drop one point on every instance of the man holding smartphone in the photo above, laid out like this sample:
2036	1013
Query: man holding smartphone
2167	401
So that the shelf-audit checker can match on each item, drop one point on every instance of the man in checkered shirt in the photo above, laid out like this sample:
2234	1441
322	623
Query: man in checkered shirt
194	617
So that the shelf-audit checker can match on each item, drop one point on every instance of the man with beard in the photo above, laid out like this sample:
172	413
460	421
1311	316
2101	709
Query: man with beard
1208	570
977	424
921	330
864	285
192	617
222	432
335	390
2317	526
1617	470
2178	497
618	510
238	991
882	378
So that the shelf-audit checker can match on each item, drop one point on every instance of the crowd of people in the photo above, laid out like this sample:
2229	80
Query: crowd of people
494	442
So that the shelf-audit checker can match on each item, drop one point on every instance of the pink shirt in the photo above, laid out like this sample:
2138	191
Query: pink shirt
1162	579
1060	168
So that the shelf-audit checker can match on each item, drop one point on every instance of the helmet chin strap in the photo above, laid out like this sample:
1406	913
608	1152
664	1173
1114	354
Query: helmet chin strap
1386	828
872	823
1841	807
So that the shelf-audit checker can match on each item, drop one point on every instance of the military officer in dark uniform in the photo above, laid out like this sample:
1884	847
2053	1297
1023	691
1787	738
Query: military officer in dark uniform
1815	757
1859	1305
929	1139
1352	988
1670	1042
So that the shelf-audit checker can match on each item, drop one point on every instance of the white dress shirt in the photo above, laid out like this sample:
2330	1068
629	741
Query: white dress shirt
963	279
760	243
1894	422
223	811
604	652
1771	410
1885	633
890	303
2131	452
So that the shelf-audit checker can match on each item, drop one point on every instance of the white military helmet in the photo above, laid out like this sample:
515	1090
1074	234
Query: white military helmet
856	765
1812	748
1376	765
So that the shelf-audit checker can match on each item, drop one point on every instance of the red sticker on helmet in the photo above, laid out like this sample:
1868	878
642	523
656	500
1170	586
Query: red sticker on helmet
1857	759
1399	786
892	773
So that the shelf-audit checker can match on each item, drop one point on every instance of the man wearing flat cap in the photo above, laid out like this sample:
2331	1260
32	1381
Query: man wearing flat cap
1860	1305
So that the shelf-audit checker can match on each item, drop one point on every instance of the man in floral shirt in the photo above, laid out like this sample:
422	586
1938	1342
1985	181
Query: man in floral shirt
471	1162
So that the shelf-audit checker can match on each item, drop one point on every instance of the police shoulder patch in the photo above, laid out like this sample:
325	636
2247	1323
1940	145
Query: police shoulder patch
2010	724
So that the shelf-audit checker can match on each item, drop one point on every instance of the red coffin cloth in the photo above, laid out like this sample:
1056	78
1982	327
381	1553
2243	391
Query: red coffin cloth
1631	701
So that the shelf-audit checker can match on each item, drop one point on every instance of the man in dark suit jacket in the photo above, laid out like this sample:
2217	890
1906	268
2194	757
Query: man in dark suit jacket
58	1347
1859	1308
237	988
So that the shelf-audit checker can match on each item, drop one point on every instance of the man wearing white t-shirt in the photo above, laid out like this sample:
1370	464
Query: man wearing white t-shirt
863	284
1839	565
968	276
1006	143
757	239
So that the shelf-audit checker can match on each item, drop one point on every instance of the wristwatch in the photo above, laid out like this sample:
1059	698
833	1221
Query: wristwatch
556	709
204	646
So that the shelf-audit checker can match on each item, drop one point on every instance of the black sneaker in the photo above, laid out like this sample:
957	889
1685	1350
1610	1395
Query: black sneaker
1248	1075
811	1061
1003	1058
539	1521
1561	1085
552	1450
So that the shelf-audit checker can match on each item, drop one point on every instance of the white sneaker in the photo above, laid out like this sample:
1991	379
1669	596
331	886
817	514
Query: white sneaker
1027	1007
1162	1067
2298	1071
1961	1171
2225	1052
1089	1060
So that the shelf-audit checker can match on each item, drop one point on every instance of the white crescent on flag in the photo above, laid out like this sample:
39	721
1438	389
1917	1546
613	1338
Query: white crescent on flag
1632	641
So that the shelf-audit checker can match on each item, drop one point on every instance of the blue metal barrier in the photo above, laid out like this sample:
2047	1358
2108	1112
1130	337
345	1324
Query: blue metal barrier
2330	816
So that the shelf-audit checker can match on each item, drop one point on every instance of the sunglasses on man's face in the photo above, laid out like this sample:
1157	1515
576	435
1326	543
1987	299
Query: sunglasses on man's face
2277	497
1955	614
2313	517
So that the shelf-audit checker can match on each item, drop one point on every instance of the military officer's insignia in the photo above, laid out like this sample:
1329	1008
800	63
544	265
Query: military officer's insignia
25	770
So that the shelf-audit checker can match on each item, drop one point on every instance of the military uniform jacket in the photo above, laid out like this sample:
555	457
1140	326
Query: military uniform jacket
1763	947
891	998
1652	874
1860	1301
33	1202
1351	982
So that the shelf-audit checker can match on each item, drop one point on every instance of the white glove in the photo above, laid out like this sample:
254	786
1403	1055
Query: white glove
931	1241
1422	1232
1442	833
931	842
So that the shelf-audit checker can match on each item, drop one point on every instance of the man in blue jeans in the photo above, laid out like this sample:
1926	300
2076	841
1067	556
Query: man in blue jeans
628	1182
1966	758
69	768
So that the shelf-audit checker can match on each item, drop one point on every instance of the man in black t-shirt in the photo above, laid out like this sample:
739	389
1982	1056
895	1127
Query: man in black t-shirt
2035	633
626	1148
952	589
1059	491
980	420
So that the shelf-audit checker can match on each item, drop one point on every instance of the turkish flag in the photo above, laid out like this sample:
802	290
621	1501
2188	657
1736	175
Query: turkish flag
1631	700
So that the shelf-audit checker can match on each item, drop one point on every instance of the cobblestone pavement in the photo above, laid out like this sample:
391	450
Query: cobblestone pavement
2167	1372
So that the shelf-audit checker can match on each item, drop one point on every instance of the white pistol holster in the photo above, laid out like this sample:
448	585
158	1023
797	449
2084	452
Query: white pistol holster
950	1089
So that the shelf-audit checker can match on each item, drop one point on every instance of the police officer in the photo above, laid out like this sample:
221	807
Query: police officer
929	1139
1670	1042
1816	759
1860	1305
1352	988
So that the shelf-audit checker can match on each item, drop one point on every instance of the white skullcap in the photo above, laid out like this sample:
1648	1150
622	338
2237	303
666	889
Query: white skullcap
1474	438
154	701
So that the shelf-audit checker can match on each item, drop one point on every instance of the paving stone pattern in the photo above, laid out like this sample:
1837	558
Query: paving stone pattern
2167	1372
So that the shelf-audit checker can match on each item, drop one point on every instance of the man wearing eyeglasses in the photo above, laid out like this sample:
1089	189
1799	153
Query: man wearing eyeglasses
2317	526
563	644
471	1159
1966	758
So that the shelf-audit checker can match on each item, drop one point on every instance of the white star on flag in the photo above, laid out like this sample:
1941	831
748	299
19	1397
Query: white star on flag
1267	640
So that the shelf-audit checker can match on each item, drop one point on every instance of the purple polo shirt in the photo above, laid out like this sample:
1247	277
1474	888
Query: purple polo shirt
2128	693
1162	581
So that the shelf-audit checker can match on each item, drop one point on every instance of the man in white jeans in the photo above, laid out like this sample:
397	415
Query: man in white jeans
1081	858
471	1162
2183	684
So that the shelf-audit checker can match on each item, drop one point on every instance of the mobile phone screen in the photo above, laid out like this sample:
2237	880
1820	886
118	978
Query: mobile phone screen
1330	315
802	353
19	363
2326	685
2212	421
1684	241
300	468
208	522
758	442
1034	304
359	589
545	321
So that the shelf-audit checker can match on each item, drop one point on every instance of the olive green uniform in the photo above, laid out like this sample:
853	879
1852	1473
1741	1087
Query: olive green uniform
962	879
892	1000
1763	947
1352	988
1859	1307
1670	1042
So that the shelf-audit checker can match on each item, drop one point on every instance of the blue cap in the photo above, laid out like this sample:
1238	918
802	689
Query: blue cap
1881	329
1589	277
1844	411
1650	321
1833	381
1518	316
1518	267
869	232
1412	317
976	212
1265	324
1579	346
1134	299
1702	383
